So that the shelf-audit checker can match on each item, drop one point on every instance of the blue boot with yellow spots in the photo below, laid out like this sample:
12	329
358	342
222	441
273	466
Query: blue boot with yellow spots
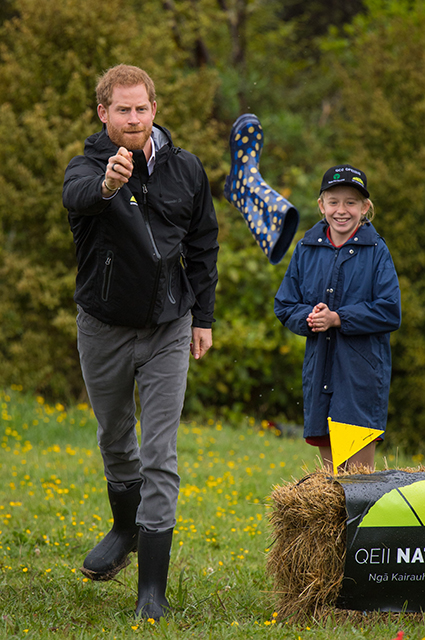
271	219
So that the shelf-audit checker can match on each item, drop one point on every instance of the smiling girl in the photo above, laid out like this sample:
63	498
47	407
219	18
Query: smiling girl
341	291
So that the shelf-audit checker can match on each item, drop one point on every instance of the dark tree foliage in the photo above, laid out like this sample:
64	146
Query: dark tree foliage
7	10
314	17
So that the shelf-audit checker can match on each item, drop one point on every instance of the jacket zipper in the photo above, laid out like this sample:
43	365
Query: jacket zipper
156	251
107	273
182	262
169	291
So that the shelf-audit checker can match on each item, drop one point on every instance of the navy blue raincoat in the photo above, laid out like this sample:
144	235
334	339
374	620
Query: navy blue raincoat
346	371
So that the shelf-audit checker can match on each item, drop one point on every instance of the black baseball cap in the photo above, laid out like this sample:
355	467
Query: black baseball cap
345	174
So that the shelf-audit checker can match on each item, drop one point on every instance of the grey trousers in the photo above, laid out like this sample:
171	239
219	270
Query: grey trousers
112	359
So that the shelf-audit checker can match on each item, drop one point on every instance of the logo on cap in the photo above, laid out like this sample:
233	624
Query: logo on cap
336	176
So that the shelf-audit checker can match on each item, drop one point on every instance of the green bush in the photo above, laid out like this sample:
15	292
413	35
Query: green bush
255	364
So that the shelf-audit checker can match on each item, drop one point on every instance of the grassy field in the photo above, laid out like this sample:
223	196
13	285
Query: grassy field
54	508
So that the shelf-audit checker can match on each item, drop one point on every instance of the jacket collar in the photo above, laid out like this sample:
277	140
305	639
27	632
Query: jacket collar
316	236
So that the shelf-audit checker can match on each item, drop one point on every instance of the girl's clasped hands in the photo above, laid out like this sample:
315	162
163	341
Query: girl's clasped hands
322	318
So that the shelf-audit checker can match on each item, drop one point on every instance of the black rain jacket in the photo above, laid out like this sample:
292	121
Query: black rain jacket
148	254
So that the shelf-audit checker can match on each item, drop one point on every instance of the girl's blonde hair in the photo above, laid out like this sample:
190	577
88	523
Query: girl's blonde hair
369	215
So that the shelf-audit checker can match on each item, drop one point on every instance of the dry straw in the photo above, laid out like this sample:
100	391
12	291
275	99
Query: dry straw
307	556
308	553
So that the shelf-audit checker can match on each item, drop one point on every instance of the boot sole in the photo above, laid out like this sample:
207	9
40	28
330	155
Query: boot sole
108	575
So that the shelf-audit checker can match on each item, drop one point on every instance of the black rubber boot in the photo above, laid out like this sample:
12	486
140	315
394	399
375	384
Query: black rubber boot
154	559
111	554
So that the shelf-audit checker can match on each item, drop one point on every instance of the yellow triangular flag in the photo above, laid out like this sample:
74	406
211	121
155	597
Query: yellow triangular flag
348	439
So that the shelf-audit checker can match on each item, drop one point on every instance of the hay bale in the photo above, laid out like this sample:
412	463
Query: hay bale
308	553
307	556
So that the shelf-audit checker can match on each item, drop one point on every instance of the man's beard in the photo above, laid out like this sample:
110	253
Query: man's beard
129	140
